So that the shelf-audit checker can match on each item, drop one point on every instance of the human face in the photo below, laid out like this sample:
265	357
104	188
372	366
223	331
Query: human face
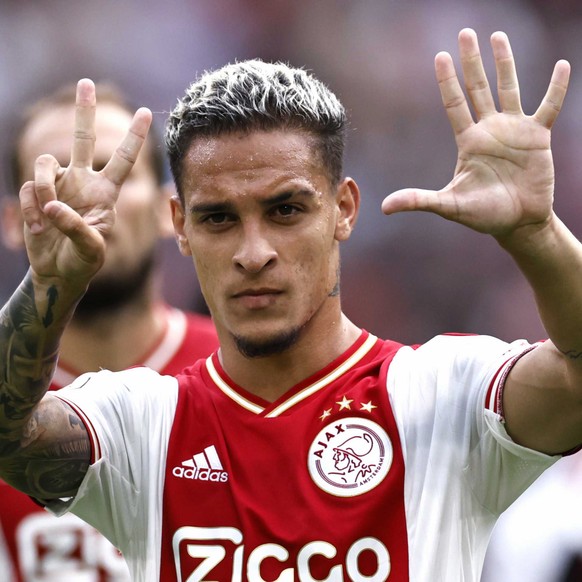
136	230
263	224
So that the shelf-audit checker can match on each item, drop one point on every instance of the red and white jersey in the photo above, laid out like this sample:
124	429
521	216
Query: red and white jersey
391	463
35	546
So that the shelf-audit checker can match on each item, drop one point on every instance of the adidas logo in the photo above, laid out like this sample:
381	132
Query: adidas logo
204	466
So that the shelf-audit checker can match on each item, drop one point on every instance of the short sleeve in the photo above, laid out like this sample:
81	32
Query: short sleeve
461	468
124	484
445	393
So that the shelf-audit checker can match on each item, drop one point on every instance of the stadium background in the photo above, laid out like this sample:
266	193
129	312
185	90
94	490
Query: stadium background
408	276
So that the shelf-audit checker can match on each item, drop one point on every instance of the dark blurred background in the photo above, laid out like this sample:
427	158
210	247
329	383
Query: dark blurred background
408	276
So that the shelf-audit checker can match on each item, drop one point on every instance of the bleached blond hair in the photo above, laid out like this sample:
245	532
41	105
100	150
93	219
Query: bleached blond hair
252	96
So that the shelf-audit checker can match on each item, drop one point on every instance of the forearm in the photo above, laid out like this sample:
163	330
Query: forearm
31	324
542	399
551	260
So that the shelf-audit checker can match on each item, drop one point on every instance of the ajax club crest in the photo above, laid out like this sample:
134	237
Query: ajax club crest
350	456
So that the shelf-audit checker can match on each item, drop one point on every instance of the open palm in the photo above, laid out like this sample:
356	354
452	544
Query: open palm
504	178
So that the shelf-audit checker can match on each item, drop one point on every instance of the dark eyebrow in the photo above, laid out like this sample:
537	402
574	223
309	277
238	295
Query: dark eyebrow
204	207
209	207
286	195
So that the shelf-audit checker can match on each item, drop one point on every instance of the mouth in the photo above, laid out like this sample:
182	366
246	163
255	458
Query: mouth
257	298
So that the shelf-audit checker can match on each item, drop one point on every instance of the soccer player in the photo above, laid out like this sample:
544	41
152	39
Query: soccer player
305	448
122	321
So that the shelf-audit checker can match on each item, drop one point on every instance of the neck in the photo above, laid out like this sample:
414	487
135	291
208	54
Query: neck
115	340
270	377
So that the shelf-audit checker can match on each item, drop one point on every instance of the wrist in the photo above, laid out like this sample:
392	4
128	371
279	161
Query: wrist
531	239
56	298
547	253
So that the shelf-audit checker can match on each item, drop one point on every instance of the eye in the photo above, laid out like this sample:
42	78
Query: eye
285	211
217	220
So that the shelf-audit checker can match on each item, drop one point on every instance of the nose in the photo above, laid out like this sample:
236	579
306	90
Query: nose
255	252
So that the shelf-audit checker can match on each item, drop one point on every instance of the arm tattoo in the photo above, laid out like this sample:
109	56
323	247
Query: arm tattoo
51	462
39	452
52	295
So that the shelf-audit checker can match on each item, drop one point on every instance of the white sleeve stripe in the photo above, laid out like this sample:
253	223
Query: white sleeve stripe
94	440
494	403
495	393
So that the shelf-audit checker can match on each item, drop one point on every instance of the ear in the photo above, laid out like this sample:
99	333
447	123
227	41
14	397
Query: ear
12	224
348	205
179	221
164	212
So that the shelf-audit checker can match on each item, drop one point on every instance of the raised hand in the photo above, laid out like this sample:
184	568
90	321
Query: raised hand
69	212
504	178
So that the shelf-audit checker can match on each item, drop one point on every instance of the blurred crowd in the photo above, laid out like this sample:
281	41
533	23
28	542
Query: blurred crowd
406	277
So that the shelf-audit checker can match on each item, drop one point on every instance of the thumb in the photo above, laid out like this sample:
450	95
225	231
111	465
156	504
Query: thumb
411	199
71	224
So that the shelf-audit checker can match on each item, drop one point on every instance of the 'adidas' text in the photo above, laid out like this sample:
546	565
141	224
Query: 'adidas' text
204	466
201	474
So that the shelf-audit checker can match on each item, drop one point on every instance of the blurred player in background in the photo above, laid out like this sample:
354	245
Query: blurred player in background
122	321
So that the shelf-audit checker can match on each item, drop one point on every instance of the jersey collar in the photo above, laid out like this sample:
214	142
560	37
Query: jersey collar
351	357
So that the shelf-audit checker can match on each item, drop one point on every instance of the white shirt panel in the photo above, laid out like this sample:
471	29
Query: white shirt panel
461	468
122	493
